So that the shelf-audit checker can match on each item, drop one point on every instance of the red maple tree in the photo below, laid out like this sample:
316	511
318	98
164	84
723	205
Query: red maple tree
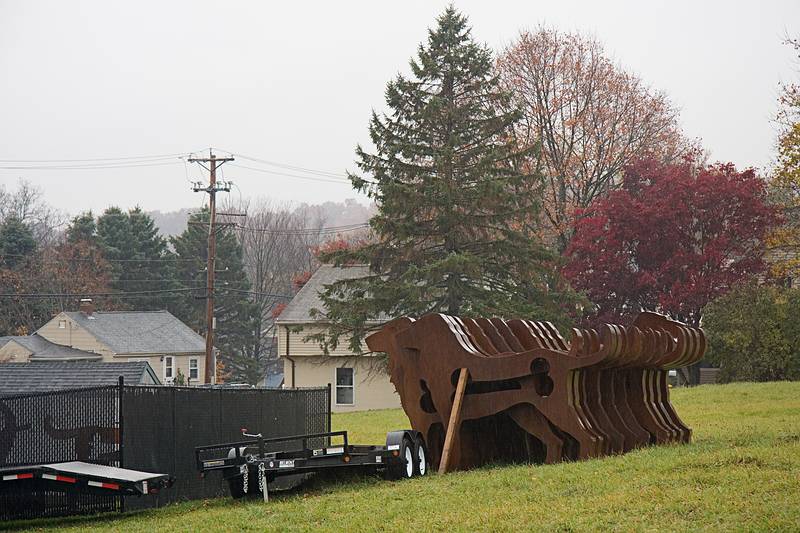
673	237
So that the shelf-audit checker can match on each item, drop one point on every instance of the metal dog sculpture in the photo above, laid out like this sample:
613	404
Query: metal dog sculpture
530	395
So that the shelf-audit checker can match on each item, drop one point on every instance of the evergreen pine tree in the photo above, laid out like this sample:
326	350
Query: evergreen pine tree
154	268
139	257
82	228
235	312
455	229
18	257
16	242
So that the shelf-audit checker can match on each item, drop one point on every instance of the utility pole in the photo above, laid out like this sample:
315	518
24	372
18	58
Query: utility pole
214	163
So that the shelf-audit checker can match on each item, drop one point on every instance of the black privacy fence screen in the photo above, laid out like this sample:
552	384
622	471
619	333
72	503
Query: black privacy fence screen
153	429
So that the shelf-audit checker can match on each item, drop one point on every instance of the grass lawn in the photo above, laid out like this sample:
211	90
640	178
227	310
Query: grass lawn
742	472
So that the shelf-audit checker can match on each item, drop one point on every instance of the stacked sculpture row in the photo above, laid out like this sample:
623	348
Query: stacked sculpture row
532	396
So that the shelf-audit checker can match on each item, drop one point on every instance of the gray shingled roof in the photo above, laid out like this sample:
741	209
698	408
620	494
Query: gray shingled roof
41	347
43	376
307	298
130	332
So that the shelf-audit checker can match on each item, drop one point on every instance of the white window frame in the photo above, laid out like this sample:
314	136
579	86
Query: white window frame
62	324
336	385
171	366
196	368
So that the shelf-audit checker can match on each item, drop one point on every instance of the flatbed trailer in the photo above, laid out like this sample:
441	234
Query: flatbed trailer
249	467
77	476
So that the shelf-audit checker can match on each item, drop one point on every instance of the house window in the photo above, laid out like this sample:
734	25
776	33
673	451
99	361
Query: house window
168	370
62	324
194	372
345	388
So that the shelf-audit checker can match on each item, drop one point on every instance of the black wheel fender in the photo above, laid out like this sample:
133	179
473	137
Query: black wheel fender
397	436
399	441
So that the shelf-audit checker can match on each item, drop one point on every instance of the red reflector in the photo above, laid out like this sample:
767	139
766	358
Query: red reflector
66	479
12	477
112	486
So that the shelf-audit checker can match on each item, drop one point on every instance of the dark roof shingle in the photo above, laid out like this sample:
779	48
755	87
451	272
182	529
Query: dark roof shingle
42	347
43	376
307	298
129	332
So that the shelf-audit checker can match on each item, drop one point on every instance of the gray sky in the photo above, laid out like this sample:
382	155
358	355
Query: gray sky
294	82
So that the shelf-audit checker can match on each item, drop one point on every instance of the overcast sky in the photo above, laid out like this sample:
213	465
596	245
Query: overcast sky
294	82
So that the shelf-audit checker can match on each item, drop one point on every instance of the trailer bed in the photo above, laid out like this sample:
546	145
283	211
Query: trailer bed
403	455
77	476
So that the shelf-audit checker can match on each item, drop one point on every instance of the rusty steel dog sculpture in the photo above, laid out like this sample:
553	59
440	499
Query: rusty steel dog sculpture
530	395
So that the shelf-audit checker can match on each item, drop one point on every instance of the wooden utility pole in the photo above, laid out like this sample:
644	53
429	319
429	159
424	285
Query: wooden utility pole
214	163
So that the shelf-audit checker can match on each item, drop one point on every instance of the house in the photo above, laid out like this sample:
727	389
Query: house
34	347
157	337
43	376
358	382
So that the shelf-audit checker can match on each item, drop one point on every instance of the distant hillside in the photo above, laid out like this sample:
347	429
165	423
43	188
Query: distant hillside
172	222
336	213
328	214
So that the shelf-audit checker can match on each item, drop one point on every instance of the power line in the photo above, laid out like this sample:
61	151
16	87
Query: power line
310	178
103	163
128	294
89	167
257	293
81	260
324	173
128	158
307	231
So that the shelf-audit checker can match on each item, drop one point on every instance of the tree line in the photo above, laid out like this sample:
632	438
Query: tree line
541	181
548	182
120	259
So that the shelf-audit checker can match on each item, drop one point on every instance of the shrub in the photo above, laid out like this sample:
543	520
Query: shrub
753	334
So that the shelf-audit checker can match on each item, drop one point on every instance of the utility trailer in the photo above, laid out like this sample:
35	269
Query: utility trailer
248	466
77	476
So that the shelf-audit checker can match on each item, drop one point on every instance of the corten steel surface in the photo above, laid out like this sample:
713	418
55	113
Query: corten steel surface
533	396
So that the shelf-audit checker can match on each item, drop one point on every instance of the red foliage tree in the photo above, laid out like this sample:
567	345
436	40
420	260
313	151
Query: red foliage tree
670	240
299	280
330	248
325	252
278	309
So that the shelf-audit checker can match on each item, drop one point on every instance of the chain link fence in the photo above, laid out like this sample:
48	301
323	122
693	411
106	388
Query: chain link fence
152	429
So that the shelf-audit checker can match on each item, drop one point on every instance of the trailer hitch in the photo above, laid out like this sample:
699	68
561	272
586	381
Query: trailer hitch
258	436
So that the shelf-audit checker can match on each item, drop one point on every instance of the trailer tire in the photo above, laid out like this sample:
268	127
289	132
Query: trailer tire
421	463
406	467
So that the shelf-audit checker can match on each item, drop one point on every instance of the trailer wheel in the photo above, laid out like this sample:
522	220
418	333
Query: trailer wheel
406	467
421	463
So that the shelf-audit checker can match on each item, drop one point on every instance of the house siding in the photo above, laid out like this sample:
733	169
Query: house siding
74	336
180	362
372	389
12	352
300	347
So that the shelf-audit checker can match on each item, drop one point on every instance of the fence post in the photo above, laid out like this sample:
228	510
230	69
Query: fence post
330	425
121	382
121	436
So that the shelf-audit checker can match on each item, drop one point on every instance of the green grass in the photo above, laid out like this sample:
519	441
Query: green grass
742	472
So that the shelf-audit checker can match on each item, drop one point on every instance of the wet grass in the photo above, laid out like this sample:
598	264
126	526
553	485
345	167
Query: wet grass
742	472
